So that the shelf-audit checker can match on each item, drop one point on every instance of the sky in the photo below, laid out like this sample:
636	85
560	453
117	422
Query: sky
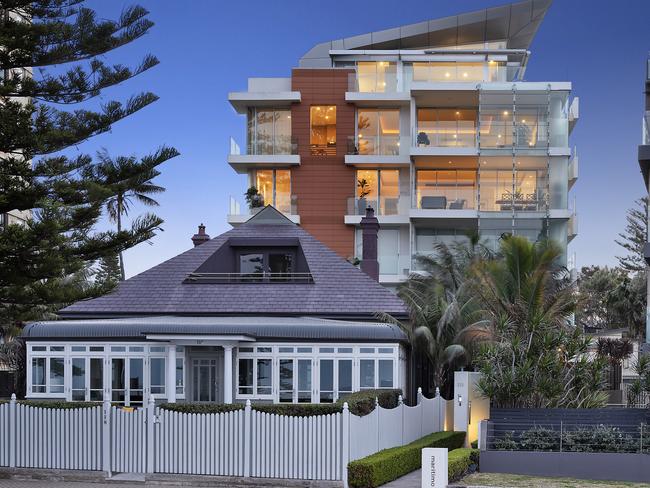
208	48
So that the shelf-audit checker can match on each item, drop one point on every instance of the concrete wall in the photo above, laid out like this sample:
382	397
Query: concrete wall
596	466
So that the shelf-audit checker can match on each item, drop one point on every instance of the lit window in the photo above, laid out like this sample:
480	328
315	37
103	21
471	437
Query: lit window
322	136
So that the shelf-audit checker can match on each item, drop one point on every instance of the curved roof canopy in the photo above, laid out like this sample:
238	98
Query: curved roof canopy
516	24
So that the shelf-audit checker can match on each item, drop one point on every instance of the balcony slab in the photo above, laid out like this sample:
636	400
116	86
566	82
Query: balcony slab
242	162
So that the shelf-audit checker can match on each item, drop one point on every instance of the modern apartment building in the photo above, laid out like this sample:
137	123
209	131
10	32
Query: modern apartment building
432	124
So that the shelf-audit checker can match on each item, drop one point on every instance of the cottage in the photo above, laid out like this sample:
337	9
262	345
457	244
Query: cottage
263	312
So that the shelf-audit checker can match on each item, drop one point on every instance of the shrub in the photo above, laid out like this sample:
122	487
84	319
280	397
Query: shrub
362	403
201	407
540	439
299	410
61	405
461	462
506	442
599	438
390	464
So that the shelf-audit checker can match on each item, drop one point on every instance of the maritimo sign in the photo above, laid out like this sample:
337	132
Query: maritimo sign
434	467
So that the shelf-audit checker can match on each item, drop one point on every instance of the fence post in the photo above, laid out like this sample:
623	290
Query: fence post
377	423
106	437
13	430
345	438
400	405
151	419
419	398
247	439
641	438
561	434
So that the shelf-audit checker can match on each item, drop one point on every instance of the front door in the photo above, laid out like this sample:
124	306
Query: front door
204	380
87	379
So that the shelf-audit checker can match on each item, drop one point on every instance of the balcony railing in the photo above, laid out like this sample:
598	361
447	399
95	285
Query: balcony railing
441	199
504	134
379	83
519	201
283	145
287	204
443	134
385	145
253	278
646	129
382	205
328	149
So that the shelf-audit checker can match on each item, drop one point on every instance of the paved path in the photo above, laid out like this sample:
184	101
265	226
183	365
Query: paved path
411	480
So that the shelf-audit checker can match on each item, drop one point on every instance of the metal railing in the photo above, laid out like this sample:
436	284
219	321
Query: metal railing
563	436
328	149
261	277
268	146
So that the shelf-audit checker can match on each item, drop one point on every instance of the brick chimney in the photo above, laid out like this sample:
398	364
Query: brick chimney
201	237
370	231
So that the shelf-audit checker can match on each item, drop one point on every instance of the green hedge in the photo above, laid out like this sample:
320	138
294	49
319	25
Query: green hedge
62	405
360	403
461	462
393	463
363	402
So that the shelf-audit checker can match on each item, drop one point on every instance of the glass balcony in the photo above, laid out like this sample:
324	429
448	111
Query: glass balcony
441	72
445	128
646	129
445	189
499	134
280	145
383	205
385	145
374	77
285	203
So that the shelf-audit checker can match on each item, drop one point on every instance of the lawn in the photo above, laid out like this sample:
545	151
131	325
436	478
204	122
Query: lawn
519	481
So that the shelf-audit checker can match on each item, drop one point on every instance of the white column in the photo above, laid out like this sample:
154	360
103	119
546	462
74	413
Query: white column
171	373
227	374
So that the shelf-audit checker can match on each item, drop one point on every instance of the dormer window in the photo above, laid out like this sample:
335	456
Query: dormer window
277	265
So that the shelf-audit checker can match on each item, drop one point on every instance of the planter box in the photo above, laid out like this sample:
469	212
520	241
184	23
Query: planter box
595	466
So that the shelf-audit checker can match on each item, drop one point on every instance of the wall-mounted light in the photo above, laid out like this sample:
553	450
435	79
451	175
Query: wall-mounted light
460	400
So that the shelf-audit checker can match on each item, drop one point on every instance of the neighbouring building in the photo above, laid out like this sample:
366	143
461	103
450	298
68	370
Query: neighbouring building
644	163
431	124
263	312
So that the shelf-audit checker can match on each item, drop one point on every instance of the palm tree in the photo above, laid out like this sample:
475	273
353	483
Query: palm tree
615	351
440	308
128	180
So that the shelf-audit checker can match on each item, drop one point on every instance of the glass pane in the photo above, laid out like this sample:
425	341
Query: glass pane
286	380
326	384
264	185
96	379
385	373
136	381
38	375
345	376
157	375
180	377
388	191
117	374
245	376
283	190
56	375
282	139
367	125
204	383
281	263
265	131
323	128
251	264
79	379
367	190
367	373
264	376
304	380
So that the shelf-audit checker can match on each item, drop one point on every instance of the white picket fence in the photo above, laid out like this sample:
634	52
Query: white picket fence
243	442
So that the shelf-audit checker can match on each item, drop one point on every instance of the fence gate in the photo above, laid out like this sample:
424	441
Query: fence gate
128	440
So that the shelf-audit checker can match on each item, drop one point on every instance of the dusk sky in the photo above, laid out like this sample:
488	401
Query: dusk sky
208	48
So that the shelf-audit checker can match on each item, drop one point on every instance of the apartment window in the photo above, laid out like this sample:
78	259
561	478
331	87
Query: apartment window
377	132
376	76
275	187
387	250
378	189
322	122
521	189
452	189
269	131
445	127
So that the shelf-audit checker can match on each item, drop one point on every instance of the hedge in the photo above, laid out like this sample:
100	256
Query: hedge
461	462
393	463
360	403
62	405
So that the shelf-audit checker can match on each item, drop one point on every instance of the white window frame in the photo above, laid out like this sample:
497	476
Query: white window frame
131	350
